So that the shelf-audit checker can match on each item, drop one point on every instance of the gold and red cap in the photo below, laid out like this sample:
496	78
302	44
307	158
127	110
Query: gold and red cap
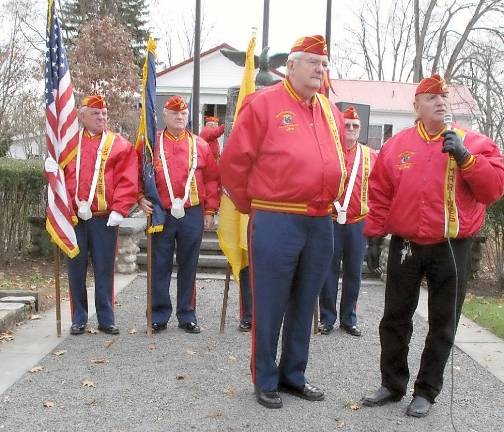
351	113
310	44
176	103
434	84
94	101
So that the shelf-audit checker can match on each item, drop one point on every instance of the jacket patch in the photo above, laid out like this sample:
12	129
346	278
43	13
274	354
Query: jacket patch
405	160
286	121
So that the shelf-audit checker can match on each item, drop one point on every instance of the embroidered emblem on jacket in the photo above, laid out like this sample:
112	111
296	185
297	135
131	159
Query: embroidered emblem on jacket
405	160
286	120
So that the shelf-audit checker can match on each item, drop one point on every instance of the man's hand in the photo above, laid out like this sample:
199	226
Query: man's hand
208	222
146	205
373	253
453	144
115	218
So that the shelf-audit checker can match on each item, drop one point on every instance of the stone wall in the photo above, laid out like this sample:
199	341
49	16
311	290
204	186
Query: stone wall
131	231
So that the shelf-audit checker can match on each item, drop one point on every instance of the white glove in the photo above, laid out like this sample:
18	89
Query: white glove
115	218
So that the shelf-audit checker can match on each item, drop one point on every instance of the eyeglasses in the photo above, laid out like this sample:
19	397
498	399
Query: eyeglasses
315	63
353	126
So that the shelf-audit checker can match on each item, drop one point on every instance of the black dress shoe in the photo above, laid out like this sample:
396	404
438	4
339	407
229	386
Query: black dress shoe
419	407
156	327
307	392
245	326
325	329
109	329
351	330
77	329
380	397
191	327
269	399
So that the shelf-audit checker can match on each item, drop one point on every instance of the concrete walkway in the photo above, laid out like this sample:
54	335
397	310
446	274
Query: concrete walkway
181	382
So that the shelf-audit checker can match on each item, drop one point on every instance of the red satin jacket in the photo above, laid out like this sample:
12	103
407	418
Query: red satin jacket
210	135
281	155
117	186
407	186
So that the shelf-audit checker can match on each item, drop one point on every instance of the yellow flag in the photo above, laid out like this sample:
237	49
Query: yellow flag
232	230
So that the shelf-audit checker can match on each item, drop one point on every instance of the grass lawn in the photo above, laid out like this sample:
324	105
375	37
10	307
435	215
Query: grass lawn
488	312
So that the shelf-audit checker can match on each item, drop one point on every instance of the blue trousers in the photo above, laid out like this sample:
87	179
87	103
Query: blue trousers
99	241
245	296
349	247
289	259
183	235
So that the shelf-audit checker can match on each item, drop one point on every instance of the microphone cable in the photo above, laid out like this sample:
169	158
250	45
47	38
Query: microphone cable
452	390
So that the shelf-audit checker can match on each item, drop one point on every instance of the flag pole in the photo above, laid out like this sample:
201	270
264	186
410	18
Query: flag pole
225	299
149	277
58	289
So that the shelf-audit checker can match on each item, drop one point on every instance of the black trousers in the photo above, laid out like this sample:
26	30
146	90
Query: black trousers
402	290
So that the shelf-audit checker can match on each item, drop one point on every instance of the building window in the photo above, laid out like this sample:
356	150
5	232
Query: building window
378	134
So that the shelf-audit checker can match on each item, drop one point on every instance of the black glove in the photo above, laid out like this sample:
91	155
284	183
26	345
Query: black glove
453	144
373	253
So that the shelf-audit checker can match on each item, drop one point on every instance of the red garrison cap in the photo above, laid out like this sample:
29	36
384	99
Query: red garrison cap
310	44
175	103
351	113
434	84
94	101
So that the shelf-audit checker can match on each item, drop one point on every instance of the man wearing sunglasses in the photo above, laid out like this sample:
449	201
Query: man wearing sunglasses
349	241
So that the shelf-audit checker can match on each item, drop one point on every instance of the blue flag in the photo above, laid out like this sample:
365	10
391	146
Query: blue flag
147	138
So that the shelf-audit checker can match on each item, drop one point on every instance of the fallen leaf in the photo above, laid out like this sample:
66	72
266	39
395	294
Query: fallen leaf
59	353
215	414
91	402
180	377
151	346
36	369
132	331
92	330
190	352
48	403
109	343
87	383
340	423
352	405
35	317
230	392
6	337
33	286
118	304
232	358
99	361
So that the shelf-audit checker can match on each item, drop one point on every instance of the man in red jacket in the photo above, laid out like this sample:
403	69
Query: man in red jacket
102	183
429	188
284	165
187	180
349	241
210	133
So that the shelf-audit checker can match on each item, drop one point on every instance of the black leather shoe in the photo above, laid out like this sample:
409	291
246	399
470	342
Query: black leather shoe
156	327
419	407
269	399
77	329
351	330
307	392
245	327
191	327
110	329
380	397
325	329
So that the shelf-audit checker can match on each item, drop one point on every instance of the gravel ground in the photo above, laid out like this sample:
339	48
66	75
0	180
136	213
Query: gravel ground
181	382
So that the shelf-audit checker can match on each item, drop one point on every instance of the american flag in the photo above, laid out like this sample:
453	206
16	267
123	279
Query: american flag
62	131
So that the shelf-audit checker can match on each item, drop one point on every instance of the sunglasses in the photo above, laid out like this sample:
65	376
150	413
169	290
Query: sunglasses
352	126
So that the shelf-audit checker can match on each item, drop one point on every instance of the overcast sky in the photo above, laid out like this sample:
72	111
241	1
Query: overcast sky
232	20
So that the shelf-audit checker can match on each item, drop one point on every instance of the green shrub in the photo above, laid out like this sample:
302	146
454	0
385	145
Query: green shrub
494	247
22	194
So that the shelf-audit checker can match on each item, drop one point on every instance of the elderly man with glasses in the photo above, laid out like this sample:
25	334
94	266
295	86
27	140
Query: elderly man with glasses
284	165
349	241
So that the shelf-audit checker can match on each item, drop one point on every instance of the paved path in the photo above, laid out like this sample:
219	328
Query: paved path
181	382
